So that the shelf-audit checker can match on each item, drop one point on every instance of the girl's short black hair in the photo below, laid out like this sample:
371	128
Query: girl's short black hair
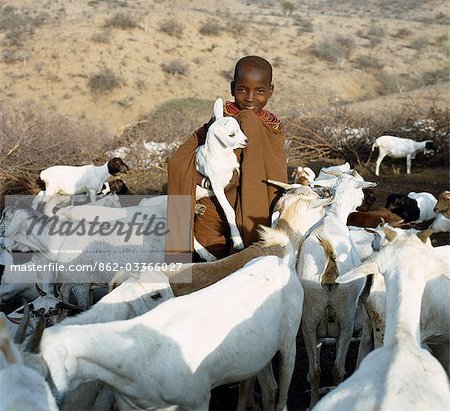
253	61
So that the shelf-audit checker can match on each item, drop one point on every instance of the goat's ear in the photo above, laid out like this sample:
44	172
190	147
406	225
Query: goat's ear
365	184
218	108
389	233
423	235
363	270
323	202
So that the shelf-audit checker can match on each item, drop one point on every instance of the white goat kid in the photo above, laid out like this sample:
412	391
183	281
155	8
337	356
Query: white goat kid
426	203
217	161
329	311
397	147
71	180
155	362
400	375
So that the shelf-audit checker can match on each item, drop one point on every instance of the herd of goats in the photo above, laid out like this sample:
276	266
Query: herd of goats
101	338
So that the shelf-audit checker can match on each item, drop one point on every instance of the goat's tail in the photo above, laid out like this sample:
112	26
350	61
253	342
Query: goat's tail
329	275
273	236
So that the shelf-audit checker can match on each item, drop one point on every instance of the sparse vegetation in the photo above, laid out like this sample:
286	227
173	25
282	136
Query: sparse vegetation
121	21
103	82
172	28
175	67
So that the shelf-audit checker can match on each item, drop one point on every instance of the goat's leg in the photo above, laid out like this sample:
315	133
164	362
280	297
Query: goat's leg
203	252
379	160
346	322
269	386
246	399
81	293
366	343
408	164
287	364
310	340
229	214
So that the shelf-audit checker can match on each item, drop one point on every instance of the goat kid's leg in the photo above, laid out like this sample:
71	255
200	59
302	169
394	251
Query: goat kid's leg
408	164
238	244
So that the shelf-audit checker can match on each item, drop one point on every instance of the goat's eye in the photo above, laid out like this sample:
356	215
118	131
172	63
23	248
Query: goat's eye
156	296
232	134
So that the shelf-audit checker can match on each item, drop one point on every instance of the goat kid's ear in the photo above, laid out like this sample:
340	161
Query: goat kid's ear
363	270
218	108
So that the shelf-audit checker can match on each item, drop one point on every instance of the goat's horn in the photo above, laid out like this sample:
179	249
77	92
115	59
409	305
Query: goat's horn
19	337
284	186
40	291
69	306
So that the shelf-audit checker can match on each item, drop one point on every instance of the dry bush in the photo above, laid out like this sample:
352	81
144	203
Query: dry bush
305	25
121	21
210	28
103	82
172	28
418	43
367	62
175	67
347	135
402	33
32	139
332	50
103	36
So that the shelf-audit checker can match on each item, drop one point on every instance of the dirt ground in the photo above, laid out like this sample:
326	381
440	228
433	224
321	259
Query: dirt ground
433	180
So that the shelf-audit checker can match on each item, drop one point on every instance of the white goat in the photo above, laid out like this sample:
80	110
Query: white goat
434	319
135	296
155	361
326	173
21	388
397	147
400	375
426	203
71	180
326	252
93	253
216	160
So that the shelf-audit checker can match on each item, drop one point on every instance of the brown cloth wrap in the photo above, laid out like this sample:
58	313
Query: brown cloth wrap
264	158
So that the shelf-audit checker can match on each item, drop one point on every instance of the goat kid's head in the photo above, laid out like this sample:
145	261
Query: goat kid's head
443	204
227	129
116	165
